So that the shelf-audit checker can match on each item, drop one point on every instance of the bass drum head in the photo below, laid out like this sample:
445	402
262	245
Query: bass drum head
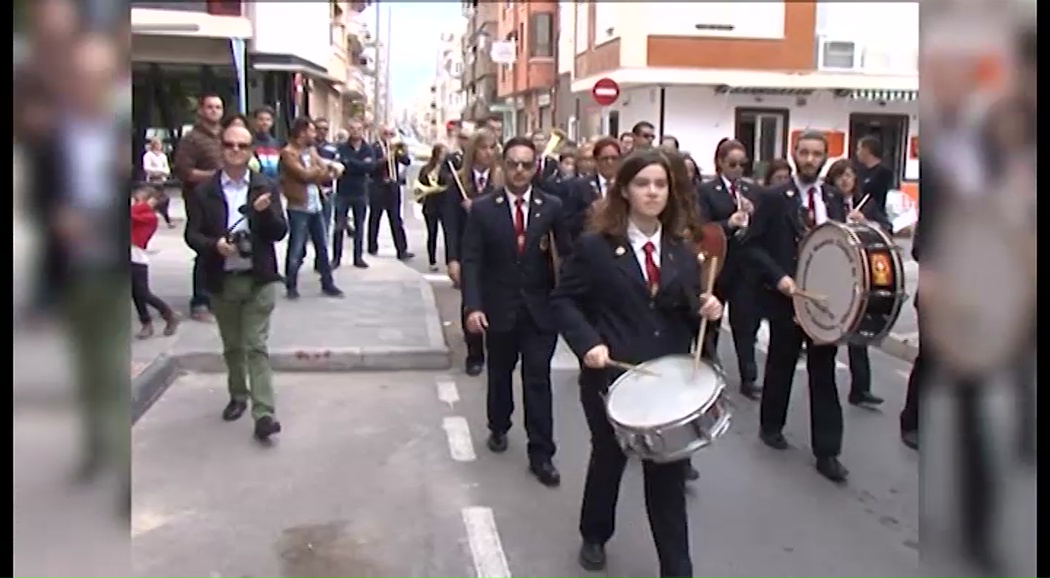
830	266
670	390
979	309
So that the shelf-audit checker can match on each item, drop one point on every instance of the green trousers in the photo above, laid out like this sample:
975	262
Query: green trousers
98	325
242	311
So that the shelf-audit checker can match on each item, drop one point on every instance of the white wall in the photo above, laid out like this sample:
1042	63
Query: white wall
566	36
762	20
298	28
699	118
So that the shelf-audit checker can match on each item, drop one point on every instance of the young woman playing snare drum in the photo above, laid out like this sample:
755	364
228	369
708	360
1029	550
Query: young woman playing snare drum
630	292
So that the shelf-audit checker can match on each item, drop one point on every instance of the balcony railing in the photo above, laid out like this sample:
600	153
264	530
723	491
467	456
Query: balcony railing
213	7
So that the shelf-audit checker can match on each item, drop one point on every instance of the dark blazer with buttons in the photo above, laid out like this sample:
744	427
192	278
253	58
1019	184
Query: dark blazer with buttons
206	223
578	194
496	279
454	216
777	227
717	205
602	298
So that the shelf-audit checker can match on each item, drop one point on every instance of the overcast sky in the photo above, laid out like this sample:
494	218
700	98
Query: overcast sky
415	30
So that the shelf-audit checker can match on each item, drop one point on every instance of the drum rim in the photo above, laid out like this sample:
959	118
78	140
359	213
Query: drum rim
855	246
720	386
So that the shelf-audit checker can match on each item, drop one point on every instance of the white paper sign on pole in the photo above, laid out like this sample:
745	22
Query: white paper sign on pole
504	52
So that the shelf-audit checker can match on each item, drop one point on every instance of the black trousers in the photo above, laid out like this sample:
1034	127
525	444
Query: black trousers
534	347
825	411
918	380
859	369
432	218
143	298
344	206
386	198
744	320
664	487
475	341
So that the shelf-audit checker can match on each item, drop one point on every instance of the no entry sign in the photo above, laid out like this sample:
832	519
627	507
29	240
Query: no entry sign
605	91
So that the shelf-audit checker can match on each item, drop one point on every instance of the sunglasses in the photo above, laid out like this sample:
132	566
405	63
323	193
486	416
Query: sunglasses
236	146
520	165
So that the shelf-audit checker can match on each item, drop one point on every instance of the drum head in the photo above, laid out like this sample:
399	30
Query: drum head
670	390
830	266
980	304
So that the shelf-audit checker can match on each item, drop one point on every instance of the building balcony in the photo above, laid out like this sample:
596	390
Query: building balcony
212	7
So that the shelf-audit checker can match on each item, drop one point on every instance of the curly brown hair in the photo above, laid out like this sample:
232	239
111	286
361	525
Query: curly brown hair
679	219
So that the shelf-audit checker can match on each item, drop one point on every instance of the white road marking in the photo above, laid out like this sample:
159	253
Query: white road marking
437	278
460	444
447	391
485	545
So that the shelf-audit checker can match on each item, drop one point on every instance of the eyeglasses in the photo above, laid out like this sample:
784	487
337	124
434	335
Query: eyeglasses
520	165
236	146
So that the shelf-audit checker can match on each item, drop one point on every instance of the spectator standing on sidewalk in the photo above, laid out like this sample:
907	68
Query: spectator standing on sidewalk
144	220
302	174
233	222
155	165
351	194
197	159
267	146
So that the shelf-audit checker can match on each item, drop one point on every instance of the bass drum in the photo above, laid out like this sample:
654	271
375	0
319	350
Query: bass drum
853	276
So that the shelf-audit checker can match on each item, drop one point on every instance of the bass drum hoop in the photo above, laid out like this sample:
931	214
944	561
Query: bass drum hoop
899	289
857	253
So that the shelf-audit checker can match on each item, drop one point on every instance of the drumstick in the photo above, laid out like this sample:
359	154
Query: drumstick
455	177
703	321
630	367
860	205
810	296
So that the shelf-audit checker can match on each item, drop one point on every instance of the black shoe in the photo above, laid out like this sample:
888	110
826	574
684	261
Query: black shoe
832	469
910	439
749	390
592	557
776	440
333	291
497	442
234	410
691	475
866	399
335	264
265	427
373	252
293	294
406	256
546	473
360	264
474	368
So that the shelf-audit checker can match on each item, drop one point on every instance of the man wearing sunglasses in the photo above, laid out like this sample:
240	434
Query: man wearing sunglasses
508	272
644	134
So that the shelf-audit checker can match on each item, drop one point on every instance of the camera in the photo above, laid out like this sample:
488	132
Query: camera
242	241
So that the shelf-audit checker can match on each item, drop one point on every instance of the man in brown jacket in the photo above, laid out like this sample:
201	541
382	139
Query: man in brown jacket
302	173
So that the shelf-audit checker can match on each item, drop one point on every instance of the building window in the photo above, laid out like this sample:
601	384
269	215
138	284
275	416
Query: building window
541	35
836	54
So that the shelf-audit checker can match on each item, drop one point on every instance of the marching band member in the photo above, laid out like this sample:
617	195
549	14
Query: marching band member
508	273
727	199
582	192
432	198
478	176
782	217
546	167
385	194
778	172
456	155
630	291
842	176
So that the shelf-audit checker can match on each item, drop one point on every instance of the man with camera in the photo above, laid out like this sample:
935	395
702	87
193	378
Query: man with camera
232	222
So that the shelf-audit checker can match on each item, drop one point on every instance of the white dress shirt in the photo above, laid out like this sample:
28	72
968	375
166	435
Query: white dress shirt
526	198
236	195
638	239
478	177
603	186
820	210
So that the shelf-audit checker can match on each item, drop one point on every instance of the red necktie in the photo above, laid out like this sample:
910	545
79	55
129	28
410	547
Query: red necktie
732	193
652	272
811	201
481	183
519	224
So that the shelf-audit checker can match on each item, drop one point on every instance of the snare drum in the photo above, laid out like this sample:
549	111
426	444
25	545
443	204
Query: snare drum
854	276
666	410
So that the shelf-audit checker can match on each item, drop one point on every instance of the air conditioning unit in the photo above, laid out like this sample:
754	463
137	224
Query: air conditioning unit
837	54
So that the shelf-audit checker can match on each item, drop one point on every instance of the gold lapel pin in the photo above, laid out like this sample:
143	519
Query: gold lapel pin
790	193
620	251
499	200
538	202
536	216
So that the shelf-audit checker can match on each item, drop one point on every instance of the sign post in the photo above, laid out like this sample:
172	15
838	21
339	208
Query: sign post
605	92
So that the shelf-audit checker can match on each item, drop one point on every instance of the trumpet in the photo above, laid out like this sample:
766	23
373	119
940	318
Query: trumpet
557	136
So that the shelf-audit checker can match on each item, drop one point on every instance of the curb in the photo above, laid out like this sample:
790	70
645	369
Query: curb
903	348
150	384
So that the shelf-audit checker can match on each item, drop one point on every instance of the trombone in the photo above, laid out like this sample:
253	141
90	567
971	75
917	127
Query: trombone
394	147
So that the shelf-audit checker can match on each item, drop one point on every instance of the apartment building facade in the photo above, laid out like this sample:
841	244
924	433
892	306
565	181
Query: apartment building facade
479	72
526	86
759	72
